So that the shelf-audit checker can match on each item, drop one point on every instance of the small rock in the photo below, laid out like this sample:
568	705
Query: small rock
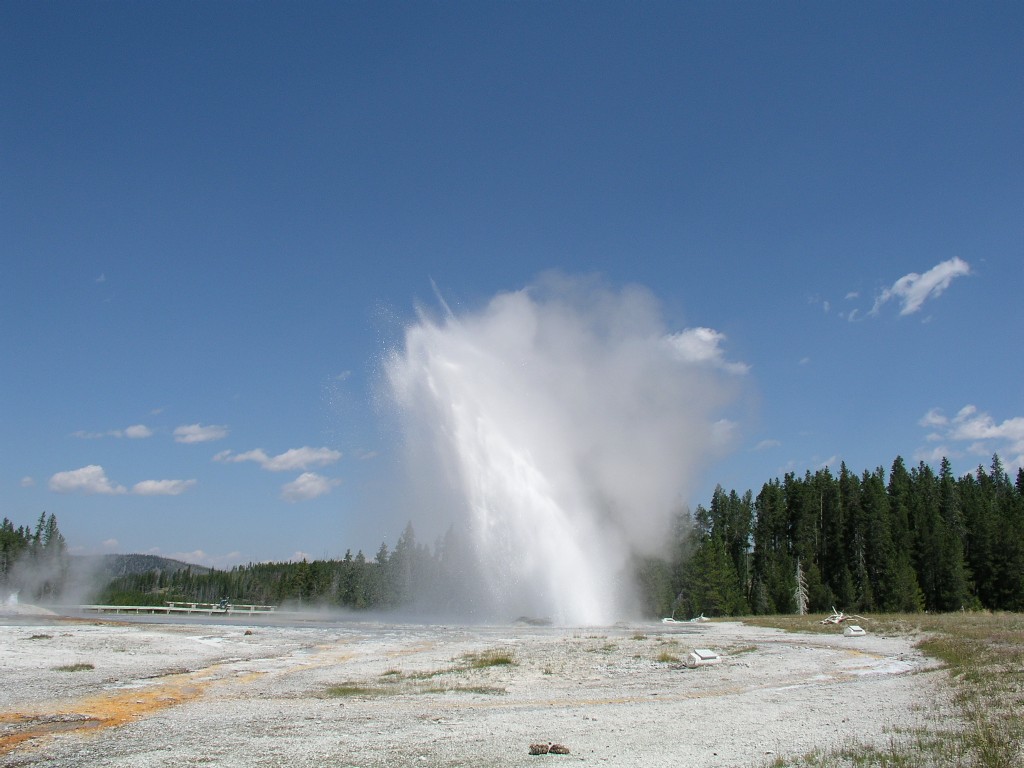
558	749
539	749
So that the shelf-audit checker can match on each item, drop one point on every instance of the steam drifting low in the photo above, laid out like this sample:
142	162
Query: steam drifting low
559	427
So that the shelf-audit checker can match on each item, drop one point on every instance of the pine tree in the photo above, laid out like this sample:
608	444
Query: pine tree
952	584
711	585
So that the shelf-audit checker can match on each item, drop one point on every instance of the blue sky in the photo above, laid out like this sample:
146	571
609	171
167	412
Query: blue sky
217	219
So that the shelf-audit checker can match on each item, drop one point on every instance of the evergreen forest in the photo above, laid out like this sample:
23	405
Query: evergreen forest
33	563
899	541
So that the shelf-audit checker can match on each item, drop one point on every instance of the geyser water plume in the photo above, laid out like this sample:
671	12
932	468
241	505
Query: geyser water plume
559	427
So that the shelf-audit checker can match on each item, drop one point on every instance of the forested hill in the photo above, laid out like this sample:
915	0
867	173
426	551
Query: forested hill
113	566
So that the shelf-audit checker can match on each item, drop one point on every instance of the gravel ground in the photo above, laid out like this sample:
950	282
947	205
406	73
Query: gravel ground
194	694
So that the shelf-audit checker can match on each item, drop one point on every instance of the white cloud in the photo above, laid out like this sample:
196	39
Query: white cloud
764	445
134	431
934	418
227	456
703	346
913	289
27	482
302	458
965	412
198	433
981	426
936	454
978	432
89	480
308	485
93	480
162	487
110	544
289	461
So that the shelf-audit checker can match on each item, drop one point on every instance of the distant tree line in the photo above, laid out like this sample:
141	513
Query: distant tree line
390	579
906	540
911	540
34	564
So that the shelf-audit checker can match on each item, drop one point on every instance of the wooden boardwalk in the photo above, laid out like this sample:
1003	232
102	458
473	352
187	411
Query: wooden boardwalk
208	609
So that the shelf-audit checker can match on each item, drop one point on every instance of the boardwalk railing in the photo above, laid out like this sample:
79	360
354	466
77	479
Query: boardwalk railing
209	609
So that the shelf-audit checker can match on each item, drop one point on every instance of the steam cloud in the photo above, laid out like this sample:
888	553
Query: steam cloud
560	427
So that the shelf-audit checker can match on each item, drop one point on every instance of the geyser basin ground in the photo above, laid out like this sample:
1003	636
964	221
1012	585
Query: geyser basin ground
173	695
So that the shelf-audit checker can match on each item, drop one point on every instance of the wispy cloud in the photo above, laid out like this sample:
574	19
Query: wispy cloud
816	300
93	480
912	290
28	482
975	432
199	433
201	557
764	445
162	487
934	418
135	432
703	346
289	461
308	485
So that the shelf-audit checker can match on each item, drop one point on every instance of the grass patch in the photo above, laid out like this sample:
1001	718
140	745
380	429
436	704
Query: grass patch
41	637
495	658
984	655
395	682
413	688
668	658
80	667
639	636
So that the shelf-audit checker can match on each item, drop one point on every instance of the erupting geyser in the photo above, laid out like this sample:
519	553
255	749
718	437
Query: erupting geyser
559	427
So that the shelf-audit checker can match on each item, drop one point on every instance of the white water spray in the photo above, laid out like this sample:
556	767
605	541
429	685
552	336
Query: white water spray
560	427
